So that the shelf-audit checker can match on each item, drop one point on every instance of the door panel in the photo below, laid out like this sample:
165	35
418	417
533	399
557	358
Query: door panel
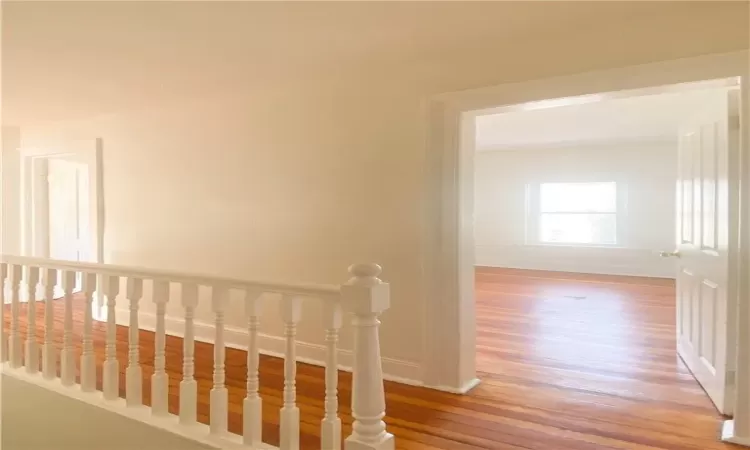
707	338
703	221
709	202
685	303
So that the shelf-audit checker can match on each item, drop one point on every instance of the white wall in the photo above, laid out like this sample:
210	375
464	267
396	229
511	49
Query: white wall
296	181
10	179
645	174
265	186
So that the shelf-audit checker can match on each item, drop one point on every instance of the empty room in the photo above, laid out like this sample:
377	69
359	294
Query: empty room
601	233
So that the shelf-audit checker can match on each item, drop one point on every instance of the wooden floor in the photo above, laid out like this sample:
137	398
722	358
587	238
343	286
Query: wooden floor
566	362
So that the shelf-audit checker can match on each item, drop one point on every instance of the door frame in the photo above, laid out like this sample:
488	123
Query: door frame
449	341
34	230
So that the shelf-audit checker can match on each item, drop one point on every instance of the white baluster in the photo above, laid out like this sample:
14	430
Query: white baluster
67	357
88	363
111	371
366	297
160	379
49	355
3	334
219	398
188	385
289	423
32	347
133	373
252	414
330	434
14	340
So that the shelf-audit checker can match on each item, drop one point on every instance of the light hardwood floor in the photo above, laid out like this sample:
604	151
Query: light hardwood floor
567	362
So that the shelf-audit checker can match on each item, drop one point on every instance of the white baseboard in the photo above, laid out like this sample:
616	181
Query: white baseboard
604	260
400	371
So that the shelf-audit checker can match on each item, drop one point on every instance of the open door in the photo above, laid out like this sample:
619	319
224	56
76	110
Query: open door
703	221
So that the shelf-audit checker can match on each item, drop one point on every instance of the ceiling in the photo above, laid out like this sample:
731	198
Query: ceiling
66	59
642	118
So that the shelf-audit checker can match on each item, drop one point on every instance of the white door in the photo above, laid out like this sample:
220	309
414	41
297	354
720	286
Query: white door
703	245
68	203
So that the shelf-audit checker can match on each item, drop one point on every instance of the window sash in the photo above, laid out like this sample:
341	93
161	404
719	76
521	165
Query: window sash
596	229
562	197
617	215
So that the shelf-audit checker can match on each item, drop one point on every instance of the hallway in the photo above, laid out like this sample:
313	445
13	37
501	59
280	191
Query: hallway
567	362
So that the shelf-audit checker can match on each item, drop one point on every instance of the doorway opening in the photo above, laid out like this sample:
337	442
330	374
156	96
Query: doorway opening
62	202
451	334
62	206
605	227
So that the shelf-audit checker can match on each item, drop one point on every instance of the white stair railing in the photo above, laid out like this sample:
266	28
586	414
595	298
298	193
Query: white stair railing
188	385
3	334
110	285
252	407
49	356
88	362
331	425
364	296
14	340
31	353
160	378
219	402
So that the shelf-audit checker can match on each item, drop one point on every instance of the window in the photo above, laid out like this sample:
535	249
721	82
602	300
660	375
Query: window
578	213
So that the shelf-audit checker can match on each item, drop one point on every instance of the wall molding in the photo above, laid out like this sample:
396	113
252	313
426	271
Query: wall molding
399	371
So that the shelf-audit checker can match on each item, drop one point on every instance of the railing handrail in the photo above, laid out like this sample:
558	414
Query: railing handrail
364	296
300	289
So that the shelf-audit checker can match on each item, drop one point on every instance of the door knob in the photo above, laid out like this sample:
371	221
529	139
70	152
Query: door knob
675	254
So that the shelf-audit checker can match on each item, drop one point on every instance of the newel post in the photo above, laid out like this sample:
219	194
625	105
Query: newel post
366	297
